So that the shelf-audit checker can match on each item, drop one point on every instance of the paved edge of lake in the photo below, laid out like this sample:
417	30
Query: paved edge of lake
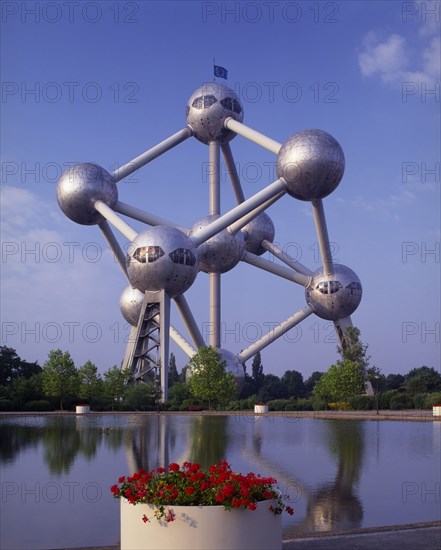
404	415
396	530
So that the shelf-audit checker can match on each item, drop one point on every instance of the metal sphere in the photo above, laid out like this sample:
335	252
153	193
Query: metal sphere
312	164
162	258
207	109
234	366
130	303
335	296
258	230
220	253
80	186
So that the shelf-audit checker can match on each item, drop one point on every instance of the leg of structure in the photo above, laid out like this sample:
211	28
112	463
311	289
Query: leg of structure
234	176
164	333
189	321
322	235
114	245
215	278
115	220
148	350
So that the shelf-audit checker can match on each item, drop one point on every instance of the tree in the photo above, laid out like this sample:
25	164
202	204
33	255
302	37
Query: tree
141	397
115	383
394	381
257	372
355	351
342	381
12	366
173	375
423	380
60	376
210	381
312	381
293	381
90	381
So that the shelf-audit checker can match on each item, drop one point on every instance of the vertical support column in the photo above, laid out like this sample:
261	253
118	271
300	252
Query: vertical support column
322	235
164	330
215	282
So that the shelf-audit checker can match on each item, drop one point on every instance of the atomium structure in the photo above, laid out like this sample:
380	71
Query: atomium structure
164	260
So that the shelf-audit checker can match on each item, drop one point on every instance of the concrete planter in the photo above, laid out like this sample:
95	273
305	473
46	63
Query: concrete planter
201	528
437	410
259	409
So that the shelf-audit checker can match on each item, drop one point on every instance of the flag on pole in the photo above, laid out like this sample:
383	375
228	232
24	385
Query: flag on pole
220	72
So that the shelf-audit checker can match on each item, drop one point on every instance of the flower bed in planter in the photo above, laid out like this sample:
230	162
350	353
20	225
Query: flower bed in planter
201	528
190	508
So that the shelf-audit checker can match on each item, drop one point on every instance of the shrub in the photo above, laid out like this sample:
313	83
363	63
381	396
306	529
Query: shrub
363	402
6	404
419	400
433	399
384	399
40	405
340	406
401	401
196	408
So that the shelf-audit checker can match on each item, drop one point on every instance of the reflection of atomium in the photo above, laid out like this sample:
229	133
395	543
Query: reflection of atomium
162	262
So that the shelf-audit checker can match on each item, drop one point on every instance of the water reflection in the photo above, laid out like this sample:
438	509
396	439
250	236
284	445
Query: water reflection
209	440
335	505
319	463
62	439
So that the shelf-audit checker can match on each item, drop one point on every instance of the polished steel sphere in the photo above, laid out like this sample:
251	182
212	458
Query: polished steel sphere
312	164
162	258
220	253
207	109
80	186
234	366
258	230
130	303
336	296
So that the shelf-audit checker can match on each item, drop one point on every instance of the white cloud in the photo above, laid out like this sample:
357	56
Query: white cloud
387	58
395	61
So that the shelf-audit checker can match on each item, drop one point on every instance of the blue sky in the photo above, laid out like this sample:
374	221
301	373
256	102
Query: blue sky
104	81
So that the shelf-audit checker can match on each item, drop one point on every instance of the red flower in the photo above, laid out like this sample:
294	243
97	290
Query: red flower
179	485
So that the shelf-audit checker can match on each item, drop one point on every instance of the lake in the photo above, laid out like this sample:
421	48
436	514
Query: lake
56	471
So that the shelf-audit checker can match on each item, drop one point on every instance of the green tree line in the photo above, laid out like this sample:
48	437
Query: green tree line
206	383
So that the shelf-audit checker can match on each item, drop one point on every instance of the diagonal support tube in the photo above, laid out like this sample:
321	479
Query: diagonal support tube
232	171
275	333
189	321
145	217
237	226
322	235
114	246
252	135
115	220
276	269
239	211
275	250
152	153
